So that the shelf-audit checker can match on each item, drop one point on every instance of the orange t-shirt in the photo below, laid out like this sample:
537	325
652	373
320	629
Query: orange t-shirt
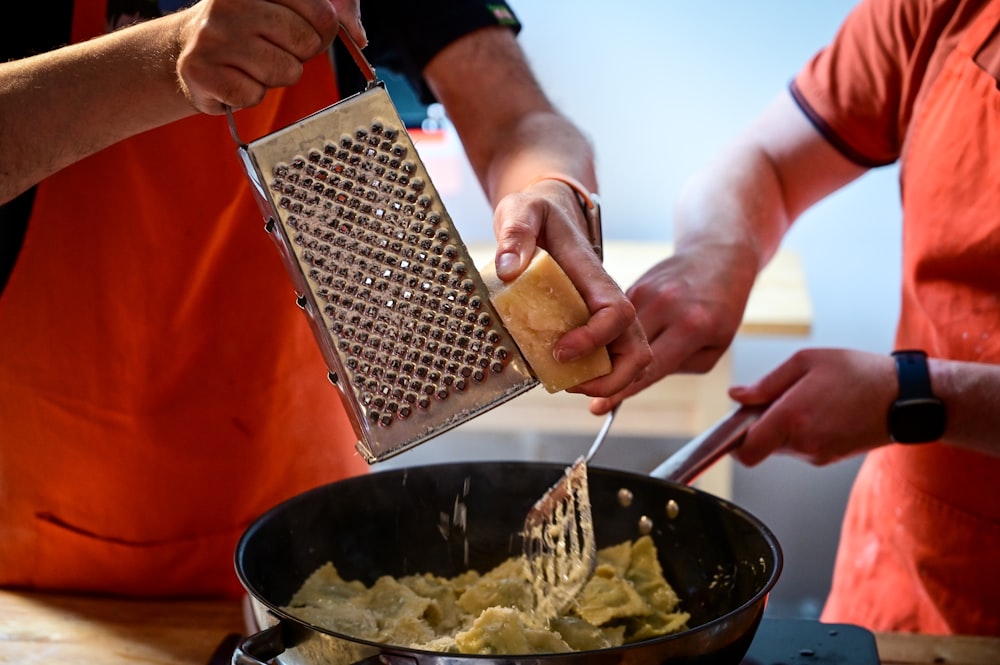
159	389
904	80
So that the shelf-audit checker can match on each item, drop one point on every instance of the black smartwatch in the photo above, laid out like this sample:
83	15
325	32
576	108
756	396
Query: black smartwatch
917	415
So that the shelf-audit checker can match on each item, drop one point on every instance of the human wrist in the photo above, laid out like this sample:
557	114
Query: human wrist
918	414
588	202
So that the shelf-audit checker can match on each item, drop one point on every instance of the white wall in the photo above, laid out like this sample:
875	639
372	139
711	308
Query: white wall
660	87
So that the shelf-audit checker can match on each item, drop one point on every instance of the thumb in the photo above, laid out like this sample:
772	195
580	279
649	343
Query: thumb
511	260
746	395
771	386
517	238
764	391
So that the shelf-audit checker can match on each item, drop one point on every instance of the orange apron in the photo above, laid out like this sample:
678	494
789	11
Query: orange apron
920	547
159	389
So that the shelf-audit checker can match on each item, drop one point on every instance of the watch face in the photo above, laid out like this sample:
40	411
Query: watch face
917	420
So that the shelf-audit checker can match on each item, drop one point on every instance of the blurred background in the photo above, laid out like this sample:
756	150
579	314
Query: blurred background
660	87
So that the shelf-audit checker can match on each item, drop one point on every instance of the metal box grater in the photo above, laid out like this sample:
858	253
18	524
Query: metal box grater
399	310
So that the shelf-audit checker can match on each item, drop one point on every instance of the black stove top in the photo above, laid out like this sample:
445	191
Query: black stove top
805	642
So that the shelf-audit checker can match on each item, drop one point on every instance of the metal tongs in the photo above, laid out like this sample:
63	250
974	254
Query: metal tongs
559	541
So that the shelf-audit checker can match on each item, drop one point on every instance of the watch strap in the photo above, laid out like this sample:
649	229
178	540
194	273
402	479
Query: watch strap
917	415
914	377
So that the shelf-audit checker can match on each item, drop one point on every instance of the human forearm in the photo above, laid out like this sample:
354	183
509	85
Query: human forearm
510	131
61	106
750	195
733	210
830	404
538	161
542	142
512	135
971	393
513	142
64	105
729	220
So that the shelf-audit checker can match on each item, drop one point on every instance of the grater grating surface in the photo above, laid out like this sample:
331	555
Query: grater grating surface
399	310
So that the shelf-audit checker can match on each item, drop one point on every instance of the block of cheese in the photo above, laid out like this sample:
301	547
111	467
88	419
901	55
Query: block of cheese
539	307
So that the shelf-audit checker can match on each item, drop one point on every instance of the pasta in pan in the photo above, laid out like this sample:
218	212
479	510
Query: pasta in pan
626	600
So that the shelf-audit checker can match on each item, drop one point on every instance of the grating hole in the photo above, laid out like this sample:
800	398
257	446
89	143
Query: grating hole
381	260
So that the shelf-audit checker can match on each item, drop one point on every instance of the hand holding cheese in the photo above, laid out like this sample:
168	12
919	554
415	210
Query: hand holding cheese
539	307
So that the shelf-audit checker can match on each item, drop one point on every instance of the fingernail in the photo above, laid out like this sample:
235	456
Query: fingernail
565	354
507	263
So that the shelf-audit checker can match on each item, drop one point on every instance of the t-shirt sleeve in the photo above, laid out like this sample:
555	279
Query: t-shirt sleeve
853	89
404	36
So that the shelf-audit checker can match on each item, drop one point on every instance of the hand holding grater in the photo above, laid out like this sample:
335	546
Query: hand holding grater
404	321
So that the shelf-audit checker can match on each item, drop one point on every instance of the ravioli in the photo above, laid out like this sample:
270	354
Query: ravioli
506	630
626	600
507	585
607	597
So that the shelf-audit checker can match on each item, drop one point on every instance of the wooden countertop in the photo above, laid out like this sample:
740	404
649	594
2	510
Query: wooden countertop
45	628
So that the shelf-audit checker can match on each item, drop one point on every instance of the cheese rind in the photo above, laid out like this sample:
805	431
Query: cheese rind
537	308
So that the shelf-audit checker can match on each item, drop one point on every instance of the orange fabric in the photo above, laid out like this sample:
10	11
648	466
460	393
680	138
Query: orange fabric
921	538
159	389
89	20
877	67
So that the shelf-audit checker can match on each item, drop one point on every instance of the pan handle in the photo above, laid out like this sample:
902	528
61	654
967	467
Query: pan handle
263	647
694	457
260	648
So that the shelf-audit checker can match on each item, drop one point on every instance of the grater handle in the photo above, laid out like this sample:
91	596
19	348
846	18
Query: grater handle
232	127
359	59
